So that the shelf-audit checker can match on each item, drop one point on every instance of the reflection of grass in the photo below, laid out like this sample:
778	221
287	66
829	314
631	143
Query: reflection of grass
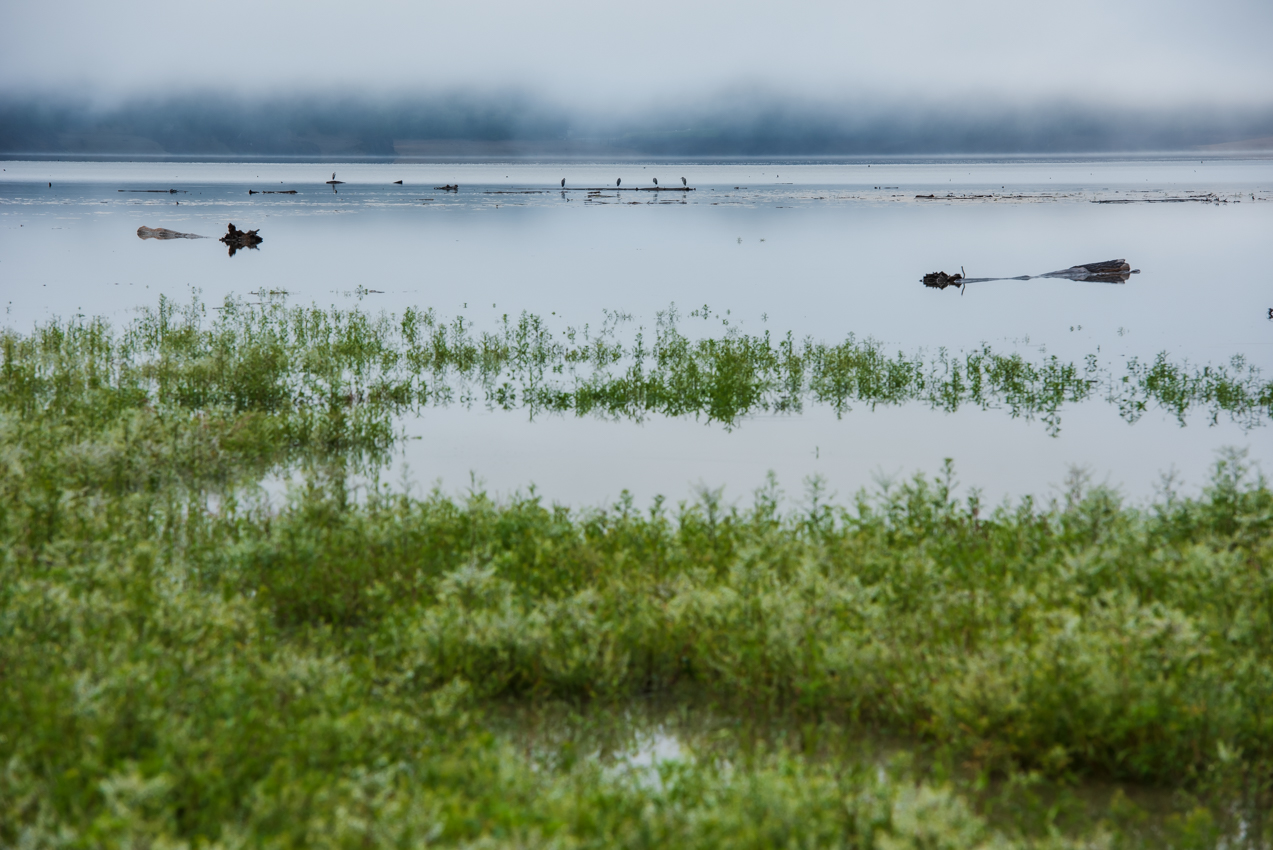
183	663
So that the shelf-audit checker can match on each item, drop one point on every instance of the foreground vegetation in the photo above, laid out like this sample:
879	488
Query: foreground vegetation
185	663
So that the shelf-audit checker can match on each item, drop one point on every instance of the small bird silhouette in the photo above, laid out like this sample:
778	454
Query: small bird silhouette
683	183
656	181
563	182
620	180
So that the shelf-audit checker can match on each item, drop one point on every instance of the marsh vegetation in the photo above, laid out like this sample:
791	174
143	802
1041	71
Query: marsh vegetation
189	662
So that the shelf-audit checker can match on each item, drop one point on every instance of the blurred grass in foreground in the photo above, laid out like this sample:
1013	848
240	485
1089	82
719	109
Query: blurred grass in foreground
184	664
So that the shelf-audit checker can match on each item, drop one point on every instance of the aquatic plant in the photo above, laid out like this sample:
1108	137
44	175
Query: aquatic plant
303	366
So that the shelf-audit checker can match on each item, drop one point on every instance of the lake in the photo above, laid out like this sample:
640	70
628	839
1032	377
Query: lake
818	249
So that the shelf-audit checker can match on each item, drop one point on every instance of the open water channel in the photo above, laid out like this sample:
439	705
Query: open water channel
821	250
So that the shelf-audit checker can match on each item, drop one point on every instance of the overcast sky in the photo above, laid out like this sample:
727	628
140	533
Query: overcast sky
1152	52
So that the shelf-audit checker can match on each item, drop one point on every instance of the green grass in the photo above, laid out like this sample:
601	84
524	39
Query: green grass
186	664
298	365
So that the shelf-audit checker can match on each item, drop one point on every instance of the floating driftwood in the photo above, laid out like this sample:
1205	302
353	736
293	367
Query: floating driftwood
1106	271
397	182
454	188
237	239
144	232
271	191
153	191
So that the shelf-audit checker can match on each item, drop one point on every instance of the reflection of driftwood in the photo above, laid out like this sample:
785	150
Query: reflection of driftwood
144	232
1107	271
271	192
237	239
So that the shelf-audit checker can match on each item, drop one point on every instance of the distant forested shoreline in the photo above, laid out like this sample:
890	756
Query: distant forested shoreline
512	125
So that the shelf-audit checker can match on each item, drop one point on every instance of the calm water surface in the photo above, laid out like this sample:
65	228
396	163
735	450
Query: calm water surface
821	250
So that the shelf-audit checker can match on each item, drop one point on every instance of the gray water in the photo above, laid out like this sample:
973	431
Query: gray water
818	249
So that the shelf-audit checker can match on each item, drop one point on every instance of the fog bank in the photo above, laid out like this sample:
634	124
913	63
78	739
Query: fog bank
739	122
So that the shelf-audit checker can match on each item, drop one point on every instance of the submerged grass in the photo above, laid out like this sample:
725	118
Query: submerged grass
184	664
299	366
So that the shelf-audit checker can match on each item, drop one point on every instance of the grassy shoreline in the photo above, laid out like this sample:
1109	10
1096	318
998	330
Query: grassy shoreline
184	664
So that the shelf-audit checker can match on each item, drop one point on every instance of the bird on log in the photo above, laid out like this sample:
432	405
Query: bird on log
334	181
656	181
683	183
563	182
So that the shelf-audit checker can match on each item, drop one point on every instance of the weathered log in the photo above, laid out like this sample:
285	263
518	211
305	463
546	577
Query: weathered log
454	188
1106	271
271	191
144	232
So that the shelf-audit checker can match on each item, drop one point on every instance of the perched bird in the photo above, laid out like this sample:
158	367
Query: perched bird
563	182
683	183
620	180
656	181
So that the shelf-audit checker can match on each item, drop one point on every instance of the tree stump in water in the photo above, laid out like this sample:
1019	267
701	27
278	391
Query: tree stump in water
941	280
237	239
